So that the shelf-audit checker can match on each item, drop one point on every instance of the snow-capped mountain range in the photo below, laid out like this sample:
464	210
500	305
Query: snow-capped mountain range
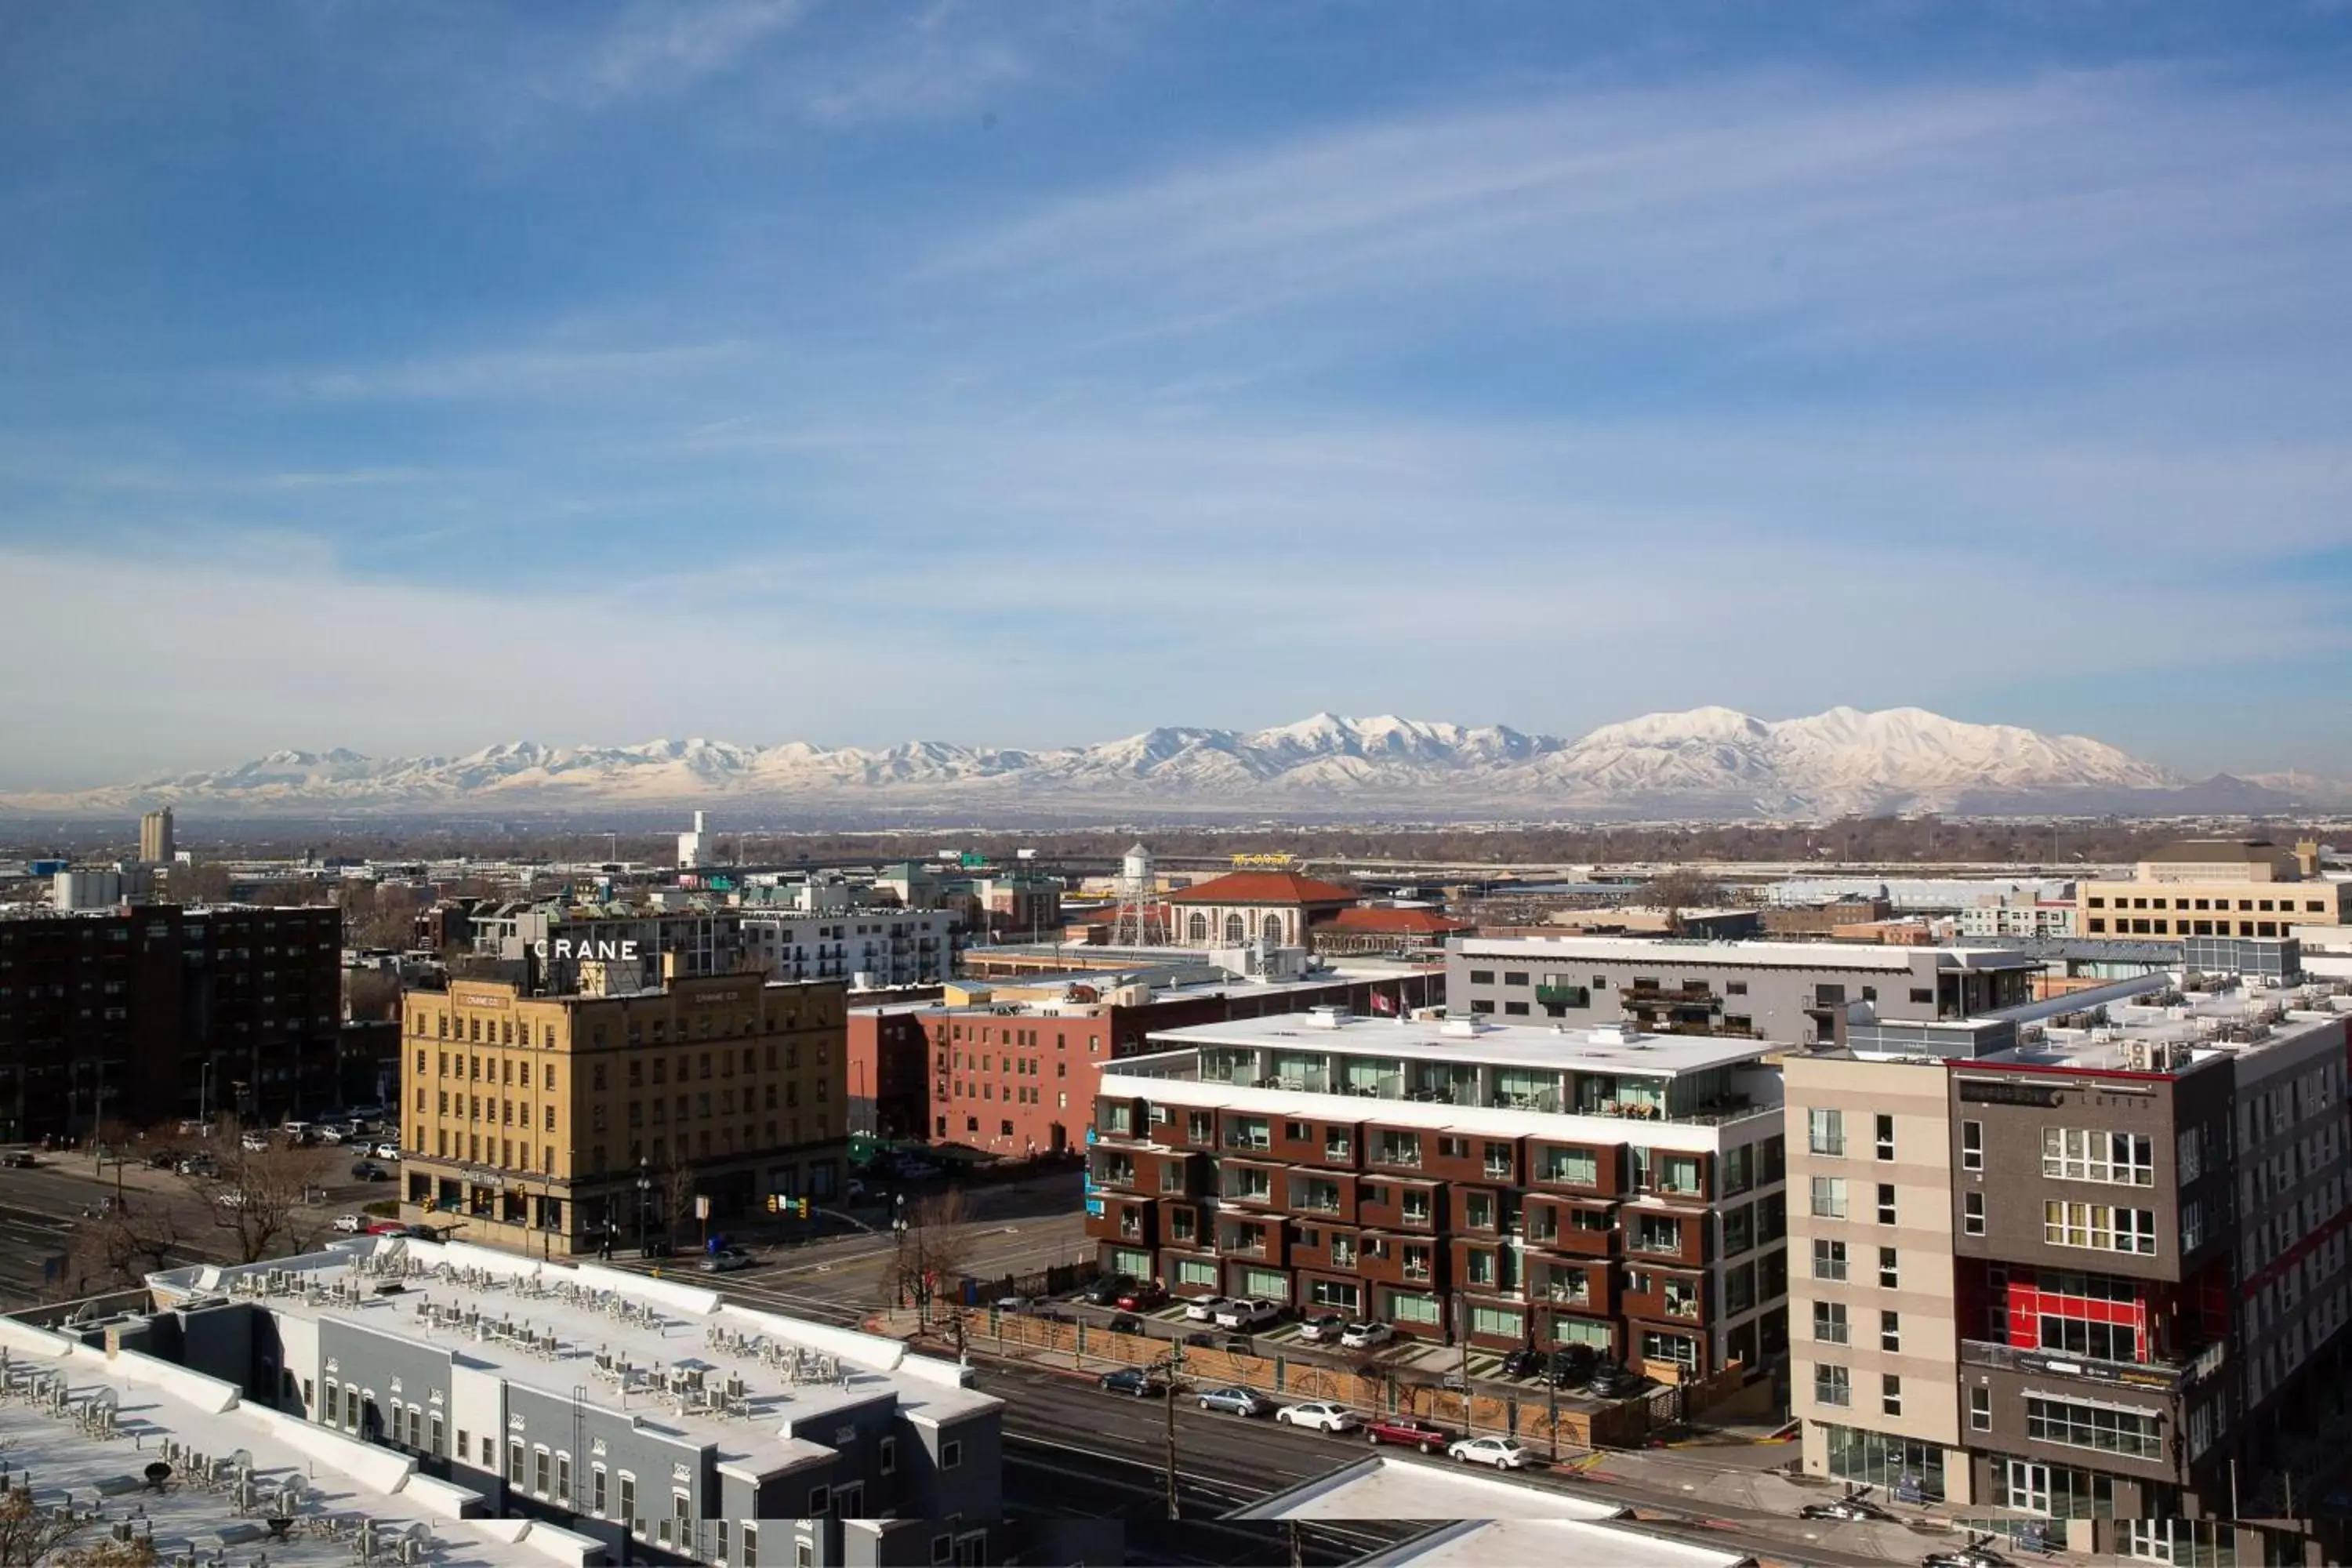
1708	761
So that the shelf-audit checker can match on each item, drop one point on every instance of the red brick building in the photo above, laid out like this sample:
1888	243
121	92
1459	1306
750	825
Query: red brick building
1015	1074
1279	909
1388	929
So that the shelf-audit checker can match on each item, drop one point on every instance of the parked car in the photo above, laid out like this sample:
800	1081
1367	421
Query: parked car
1203	1340
1133	1381
1407	1431
726	1260
1364	1336
1969	1557
389	1227
22	1160
1237	1401
328	1134
1613	1380
1525	1364
1323	1329
387	1150
1141	1297
1851	1510
1107	1290
1501	1453
1572	1366
369	1171
1201	1309
1248	1312
1319	1416
1015	1303
348	1224
1126	1323
254	1143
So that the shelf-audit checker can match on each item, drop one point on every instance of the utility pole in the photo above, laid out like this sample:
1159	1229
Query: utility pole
1172	1364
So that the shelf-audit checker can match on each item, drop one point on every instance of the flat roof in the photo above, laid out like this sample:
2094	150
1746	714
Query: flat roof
1667	952
1624	1052
337	1476
2189	1031
1482	1543
794	1371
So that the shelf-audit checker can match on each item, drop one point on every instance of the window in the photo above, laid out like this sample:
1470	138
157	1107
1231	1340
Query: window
1979	1409
1890	1334
1829	1322
950	1456
1887	1275
595	1486
1572	1167
514	1464
1971	1145
1890	1393
542	1471
1833	1385
629	1503
2099	1227
1972	1214
1829	1260
1887	1202
2109	1429
1825	1132
1829	1197
888	1460
1886	1140
1481	977
2119	1159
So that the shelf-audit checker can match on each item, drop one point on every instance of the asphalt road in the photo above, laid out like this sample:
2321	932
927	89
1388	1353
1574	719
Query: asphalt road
39	1207
843	1278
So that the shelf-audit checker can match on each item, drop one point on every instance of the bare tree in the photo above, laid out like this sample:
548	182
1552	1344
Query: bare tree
937	1253
677	1177
371	996
31	1534
1684	889
117	1249
260	1198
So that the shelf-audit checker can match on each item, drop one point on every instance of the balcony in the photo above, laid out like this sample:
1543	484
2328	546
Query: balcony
2173	1376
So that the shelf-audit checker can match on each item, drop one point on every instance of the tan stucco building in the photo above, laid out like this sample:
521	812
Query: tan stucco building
556	1124
2215	887
1872	1333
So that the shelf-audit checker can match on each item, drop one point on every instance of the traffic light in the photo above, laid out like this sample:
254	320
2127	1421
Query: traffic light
775	1203
803	1208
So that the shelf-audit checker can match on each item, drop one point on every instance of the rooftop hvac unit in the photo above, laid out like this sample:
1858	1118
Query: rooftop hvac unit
2135	1056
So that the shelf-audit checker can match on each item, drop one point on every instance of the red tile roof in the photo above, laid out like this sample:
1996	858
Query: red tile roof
1265	888
1412	923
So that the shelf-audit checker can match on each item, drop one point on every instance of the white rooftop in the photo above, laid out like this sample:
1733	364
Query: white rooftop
495	1311
1502	1520
160	1410
1667	952
2177	1035
1624	1052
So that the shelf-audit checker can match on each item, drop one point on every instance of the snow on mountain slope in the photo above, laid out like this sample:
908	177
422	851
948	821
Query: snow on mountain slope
1706	761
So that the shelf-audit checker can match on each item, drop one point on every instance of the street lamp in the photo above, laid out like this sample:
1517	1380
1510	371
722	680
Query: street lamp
645	1197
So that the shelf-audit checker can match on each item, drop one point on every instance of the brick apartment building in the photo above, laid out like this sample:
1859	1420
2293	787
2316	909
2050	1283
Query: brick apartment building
2082	1275
150	1012
1010	1065
1513	1185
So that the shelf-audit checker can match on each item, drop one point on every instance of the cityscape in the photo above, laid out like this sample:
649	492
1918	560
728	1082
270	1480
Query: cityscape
663	900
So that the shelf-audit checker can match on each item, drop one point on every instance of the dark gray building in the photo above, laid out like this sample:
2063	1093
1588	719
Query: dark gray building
1794	993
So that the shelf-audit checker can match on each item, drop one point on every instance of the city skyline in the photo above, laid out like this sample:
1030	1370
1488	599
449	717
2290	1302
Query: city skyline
1028	376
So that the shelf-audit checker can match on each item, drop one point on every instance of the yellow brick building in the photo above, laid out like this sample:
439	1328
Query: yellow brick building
554	1124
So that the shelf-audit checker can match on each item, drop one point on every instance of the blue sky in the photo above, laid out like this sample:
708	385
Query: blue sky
412	378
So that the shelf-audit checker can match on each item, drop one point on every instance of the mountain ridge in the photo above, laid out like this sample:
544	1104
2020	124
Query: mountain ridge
1702	761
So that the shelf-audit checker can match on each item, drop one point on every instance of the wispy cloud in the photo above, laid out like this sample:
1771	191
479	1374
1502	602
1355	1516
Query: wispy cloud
660	47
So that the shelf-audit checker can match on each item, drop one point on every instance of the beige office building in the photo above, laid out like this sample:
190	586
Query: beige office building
554	1124
2215	887
155	845
1874	1345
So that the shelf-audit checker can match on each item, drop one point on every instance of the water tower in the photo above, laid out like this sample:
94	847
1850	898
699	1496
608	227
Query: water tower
1142	919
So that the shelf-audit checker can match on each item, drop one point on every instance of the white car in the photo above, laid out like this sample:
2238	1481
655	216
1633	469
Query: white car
254	1143
1201	1309
1244	1312
1364	1336
329	1134
1320	1415
387	1150
349	1223
1500	1452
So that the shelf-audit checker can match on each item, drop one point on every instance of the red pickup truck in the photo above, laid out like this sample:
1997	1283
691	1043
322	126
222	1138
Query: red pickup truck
1406	1431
